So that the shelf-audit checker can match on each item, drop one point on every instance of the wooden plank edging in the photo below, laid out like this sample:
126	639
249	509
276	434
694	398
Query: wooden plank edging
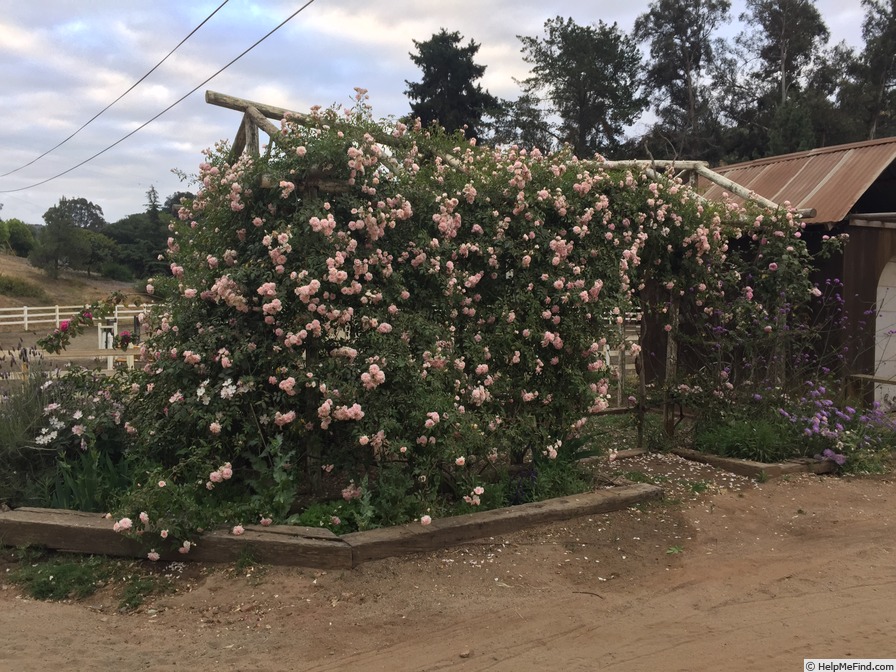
445	532
754	469
80	532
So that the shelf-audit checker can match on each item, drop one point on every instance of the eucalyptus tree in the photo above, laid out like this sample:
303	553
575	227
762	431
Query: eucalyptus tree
680	35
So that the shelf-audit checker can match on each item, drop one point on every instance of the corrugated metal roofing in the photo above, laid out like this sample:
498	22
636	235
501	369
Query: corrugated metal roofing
830	179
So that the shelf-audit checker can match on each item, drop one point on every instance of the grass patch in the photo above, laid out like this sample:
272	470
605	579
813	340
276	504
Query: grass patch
59	577
20	288
757	439
56	577
641	477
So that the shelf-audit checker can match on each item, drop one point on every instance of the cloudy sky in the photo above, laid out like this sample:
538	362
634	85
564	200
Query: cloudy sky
62	61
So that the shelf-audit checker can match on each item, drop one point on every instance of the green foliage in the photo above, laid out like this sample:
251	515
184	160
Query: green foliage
872	87
448	93
56	577
28	470
20	288
750	438
116	271
431	328
680	36
787	35
140	239
21	238
522	122
72	238
62	577
89	481
591	75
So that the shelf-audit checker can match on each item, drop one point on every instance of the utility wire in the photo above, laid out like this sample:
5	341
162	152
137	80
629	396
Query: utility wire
174	104
133	86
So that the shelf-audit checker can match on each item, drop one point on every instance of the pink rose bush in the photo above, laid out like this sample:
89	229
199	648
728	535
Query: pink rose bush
436	299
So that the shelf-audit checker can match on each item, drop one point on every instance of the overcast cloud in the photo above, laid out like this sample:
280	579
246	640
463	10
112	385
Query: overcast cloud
61	61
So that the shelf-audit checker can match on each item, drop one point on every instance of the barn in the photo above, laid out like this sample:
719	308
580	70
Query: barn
852	189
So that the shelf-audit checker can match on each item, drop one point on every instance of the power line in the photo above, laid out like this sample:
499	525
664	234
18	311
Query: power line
133	86
174	104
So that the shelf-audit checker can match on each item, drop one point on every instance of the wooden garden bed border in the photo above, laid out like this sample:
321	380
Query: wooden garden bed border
80	532
801	465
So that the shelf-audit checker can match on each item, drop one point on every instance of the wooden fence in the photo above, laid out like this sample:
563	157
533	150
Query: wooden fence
27	318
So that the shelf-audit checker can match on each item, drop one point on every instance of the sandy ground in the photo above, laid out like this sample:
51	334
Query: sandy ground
729	574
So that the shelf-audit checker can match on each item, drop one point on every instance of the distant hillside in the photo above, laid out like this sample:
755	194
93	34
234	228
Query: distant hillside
68	290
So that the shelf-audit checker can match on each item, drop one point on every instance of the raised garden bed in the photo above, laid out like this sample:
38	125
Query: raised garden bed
308	546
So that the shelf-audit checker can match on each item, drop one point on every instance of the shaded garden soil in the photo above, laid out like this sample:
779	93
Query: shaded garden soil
726	574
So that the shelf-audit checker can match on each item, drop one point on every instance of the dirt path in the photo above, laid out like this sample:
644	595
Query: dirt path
739	576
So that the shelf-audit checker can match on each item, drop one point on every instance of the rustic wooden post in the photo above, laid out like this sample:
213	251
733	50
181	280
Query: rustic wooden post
251	132
620	387
239	143
671	369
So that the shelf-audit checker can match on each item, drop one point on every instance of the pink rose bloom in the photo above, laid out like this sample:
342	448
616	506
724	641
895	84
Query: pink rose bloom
460	461
773	266
265	522
190	293
425	520
150	289
152	555
144	517
238	530
163	534
162	484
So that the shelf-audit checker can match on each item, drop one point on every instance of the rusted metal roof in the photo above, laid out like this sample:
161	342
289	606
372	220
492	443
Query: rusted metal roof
830	179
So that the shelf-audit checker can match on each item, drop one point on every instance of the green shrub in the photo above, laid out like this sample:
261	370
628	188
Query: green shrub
756	438
115	271
19	288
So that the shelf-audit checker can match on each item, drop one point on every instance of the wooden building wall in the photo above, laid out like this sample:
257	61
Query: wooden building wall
864	257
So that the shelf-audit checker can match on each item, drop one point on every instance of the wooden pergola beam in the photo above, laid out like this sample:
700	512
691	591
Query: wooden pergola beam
703	170
241	105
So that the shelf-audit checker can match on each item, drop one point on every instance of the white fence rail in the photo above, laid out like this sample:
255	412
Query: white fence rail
27	318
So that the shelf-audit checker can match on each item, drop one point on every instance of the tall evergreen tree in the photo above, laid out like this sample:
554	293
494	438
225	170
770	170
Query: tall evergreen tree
522	122
153	209
591	76
448	92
